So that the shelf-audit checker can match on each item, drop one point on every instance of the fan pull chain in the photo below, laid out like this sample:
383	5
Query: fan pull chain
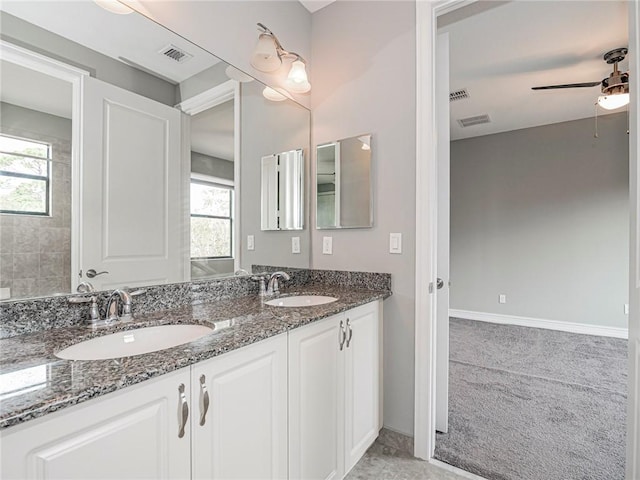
595	133
628	110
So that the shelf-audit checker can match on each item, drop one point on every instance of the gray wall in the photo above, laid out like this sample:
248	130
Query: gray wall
212	166
35	251
268	128
100	66
364	69
541	215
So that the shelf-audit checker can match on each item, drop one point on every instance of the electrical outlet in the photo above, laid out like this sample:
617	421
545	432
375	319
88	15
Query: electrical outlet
502	298
250	243
295	244
626	309
327	245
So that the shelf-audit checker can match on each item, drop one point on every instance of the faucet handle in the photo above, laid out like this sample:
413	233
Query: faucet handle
94	312
263	288
85	287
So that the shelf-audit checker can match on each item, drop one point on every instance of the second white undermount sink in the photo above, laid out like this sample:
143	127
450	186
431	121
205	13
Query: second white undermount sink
301	301
134	342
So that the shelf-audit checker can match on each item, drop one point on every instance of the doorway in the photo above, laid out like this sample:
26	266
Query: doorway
426	307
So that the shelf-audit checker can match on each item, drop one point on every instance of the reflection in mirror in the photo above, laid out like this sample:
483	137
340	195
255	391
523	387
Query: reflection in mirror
282	191
343	184
161	117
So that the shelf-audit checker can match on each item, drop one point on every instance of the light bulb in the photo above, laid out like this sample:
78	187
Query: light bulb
114	6
611	102
265	56
297	81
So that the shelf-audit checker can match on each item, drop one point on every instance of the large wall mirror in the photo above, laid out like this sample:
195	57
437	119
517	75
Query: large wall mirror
344	197
130	156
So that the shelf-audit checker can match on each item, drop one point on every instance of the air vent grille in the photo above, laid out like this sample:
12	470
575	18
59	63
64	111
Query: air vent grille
477	120
458	95
175	53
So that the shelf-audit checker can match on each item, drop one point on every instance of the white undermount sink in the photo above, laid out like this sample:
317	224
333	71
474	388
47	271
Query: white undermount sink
301	301
134	342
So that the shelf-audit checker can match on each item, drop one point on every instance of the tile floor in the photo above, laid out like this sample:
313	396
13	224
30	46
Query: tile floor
385	463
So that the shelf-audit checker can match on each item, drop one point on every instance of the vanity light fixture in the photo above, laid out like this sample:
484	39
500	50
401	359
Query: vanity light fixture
274	94
268	55
114	6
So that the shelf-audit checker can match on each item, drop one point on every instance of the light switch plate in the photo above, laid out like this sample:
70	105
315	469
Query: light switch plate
626	309
295	244
327	245
250	243
502	298
395	243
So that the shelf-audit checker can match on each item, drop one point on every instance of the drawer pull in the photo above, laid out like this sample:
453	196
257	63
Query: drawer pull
204	400
183	411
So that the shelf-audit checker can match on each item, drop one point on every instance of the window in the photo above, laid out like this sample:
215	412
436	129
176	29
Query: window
25	176
211	220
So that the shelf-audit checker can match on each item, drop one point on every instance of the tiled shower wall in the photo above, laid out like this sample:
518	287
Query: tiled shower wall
35	251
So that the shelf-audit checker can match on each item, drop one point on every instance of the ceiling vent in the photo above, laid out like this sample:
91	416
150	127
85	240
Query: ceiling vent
477	120
458	95
175	53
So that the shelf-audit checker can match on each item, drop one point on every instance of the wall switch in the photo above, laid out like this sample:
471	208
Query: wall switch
626	309
295	244
502	298
327	245
395	243
250	244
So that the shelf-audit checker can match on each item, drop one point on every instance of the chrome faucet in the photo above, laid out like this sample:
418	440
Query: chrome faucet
119	305
273	288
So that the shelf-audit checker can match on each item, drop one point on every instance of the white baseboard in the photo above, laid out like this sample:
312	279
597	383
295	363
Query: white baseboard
583	328
458	471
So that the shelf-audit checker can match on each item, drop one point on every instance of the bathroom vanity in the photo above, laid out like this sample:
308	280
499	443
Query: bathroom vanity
273	392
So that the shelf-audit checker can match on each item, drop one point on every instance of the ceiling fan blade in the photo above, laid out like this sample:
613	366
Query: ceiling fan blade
567	85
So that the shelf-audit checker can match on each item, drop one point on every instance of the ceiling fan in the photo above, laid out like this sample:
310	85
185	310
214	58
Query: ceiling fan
615	88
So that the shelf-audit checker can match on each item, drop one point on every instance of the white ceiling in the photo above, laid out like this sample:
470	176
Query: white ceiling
31	89
212	131
315	5
133	36
500	53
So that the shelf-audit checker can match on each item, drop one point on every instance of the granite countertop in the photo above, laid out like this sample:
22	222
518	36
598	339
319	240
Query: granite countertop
33	382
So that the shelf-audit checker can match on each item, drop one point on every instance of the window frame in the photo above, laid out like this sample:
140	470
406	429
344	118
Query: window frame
221	184
47	179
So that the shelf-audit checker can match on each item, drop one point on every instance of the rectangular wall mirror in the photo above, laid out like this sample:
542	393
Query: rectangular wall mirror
283	191
131	156
344	197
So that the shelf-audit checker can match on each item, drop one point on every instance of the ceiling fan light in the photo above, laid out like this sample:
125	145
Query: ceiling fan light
265	56
611	102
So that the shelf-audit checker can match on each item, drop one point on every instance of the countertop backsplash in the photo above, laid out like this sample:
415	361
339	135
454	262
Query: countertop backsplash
27	316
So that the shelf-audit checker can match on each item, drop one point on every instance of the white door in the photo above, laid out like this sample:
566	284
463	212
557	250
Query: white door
242	433
316	396
442	288
362	375
132	433
633	417
133	210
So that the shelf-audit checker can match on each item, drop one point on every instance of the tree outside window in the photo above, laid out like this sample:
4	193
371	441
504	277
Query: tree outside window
25	176
211	220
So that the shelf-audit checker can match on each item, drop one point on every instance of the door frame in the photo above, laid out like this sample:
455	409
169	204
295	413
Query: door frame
74	75
229	90
427	13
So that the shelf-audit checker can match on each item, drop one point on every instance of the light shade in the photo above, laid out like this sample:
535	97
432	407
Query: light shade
114	6
611	102
274	94
265	56
297	81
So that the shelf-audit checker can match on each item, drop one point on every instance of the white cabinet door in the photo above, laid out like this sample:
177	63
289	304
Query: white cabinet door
243	434
361	382
132	206
132	433
316	397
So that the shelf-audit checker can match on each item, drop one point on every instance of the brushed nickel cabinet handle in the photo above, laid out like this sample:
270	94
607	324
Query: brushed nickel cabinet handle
342	335
350	332
183	411
204	400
